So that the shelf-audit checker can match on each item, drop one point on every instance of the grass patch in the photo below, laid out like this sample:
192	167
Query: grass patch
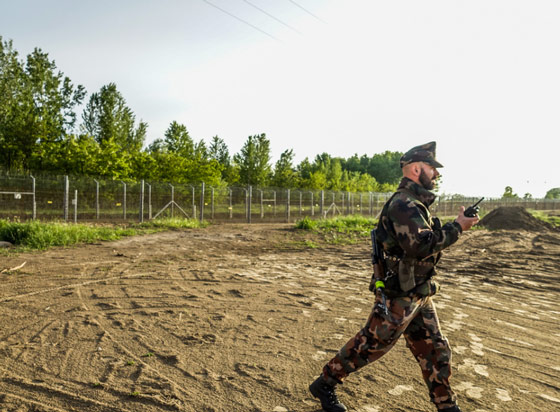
339	230
546	217
42	235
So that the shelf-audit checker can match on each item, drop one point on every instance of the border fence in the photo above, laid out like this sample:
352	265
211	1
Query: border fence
86	199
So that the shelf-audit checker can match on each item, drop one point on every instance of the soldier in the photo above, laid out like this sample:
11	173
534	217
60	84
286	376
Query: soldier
412	241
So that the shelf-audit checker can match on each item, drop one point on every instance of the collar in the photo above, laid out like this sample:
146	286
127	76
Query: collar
418	191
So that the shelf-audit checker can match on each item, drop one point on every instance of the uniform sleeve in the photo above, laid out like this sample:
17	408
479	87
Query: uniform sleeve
414	233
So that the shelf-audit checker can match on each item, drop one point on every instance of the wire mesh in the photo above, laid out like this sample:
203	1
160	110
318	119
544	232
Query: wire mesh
87	199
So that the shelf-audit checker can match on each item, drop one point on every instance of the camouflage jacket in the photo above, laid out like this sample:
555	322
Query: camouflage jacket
407	230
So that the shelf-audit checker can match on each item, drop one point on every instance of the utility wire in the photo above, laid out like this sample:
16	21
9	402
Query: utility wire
241	20
271	16
307	11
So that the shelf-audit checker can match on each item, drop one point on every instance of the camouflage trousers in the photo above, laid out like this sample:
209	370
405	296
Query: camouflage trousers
417	319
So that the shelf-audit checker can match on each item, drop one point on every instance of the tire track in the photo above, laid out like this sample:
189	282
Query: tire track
71	286
75	401
108	372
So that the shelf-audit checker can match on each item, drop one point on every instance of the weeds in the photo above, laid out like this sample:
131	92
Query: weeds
340	230
545	217
39	235
310	244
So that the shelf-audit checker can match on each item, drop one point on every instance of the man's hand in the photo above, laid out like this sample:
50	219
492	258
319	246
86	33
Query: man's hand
466	222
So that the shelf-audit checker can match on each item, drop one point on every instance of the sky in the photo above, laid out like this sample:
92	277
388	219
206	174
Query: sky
479	77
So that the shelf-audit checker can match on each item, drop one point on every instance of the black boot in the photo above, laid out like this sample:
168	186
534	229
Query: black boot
450	409
327	395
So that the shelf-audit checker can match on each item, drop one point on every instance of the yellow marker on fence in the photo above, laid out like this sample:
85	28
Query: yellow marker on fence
118	204
49	202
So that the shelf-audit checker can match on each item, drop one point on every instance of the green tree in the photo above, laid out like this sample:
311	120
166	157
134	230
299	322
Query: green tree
177	140
385	167
37	105
284	173
177	158
334	175
254	161
76	155
107	116
317	180
219	151
553	193
356	164
304	169
508	193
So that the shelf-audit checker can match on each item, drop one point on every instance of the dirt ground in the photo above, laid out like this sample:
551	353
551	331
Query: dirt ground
242	318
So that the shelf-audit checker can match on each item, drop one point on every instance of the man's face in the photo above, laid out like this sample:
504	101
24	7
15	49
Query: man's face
428	176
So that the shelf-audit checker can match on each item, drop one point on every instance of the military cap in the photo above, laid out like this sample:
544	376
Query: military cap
424	153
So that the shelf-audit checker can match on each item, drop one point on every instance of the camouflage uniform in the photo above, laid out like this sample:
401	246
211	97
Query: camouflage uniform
412	240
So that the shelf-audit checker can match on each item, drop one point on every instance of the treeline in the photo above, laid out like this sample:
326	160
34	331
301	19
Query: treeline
40	131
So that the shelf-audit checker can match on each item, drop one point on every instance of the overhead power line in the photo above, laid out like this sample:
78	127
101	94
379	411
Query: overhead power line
307	11
271	16
240	19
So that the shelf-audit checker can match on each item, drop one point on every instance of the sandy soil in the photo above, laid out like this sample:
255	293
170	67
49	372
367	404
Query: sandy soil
242	318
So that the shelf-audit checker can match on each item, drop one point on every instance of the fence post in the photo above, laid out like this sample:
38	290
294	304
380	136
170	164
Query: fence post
249	200
349	205
361	195
141	217
262	203
75	201
212	203
193	203
288	206
202	201
96	199
124	200
322	206
275	203
370	204
230	203
34	202
66	189
149	201
172	200
246	191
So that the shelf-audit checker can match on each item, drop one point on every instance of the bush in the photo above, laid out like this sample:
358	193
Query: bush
306	224
356	224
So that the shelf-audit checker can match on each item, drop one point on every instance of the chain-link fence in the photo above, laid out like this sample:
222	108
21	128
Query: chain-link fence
86	199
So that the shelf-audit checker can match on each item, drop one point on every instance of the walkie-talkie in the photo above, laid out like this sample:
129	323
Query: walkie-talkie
473	210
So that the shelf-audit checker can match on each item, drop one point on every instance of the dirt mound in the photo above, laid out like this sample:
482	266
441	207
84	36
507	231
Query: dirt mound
513	218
